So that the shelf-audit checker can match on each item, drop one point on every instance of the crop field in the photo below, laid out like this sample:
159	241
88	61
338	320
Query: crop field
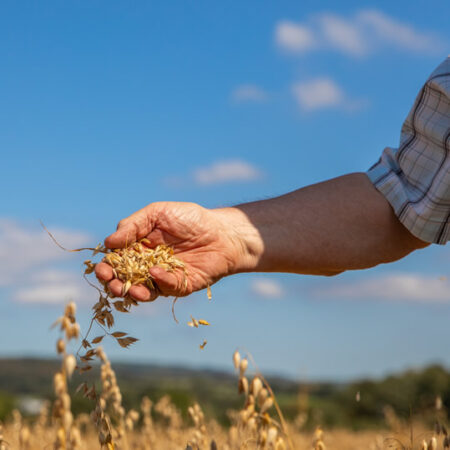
41	436
258	424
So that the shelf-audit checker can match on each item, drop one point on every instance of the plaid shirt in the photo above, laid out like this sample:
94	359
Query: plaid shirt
415	178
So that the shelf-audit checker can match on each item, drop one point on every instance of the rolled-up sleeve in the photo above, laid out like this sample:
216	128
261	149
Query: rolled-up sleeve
415	177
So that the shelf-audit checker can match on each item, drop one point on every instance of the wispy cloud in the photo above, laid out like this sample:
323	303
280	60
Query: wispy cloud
219	172
267	288
323	93
389	31
363	33
24	247
249	93
341	34
400	286
227	171
294	37
27	259
53	287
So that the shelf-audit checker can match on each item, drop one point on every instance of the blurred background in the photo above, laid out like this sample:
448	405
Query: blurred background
108	106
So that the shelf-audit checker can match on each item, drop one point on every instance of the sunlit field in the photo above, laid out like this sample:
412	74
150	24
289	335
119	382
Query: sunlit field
258	423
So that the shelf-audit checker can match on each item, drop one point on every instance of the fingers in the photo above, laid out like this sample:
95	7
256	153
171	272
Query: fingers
125	235
115	286
158	237
139	292
104	272
142	294
169	283
131	229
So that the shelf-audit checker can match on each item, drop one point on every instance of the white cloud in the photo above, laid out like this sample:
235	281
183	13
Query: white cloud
225	172
359	35
23	248
247	93
323	93
317	94
294	37
27	259
267	288
393	32
400	286
52	276
48	293
344	35
54	286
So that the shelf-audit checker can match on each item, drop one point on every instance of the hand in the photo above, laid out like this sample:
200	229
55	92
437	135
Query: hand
207	241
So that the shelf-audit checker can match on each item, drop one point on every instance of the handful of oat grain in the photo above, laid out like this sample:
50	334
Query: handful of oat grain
131	264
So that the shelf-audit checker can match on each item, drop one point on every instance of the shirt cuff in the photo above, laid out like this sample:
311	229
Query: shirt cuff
419	218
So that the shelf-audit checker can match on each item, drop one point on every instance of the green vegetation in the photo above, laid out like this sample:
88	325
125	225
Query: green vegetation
6	404
412	393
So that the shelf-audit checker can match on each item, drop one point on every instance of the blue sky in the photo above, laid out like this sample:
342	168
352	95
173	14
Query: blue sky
108	106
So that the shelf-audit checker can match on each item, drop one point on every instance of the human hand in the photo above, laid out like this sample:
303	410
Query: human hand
209	242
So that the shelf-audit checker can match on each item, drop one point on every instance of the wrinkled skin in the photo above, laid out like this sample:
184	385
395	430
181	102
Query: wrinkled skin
324	229
208	247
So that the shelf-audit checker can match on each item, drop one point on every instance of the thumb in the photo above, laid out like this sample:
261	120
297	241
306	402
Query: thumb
170	283
131	229
124	236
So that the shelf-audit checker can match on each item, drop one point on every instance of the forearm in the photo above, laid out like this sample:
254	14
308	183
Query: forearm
322	229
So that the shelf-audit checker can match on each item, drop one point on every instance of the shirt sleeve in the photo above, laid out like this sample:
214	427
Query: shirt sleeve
415	177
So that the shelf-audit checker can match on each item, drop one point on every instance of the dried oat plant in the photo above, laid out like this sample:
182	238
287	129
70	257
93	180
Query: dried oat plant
67	436
131	265
4	445
254	422
109	416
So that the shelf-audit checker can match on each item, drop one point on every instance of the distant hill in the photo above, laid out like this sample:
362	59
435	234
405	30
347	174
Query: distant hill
325	403
215	390
34	375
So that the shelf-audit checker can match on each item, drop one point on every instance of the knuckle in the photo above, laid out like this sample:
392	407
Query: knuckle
121	223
